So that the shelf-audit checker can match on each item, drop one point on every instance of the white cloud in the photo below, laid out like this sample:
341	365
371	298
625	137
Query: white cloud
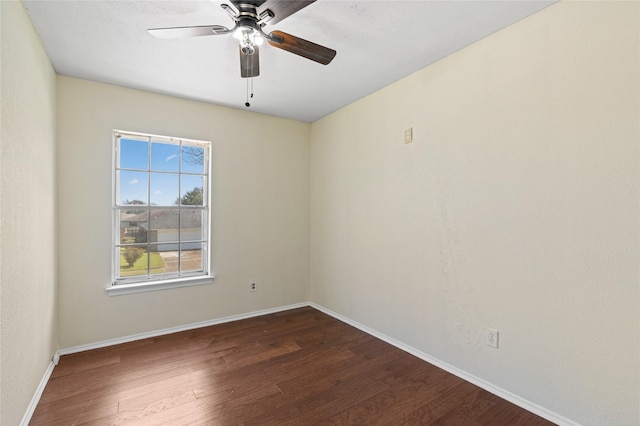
158	192
171	157
134	181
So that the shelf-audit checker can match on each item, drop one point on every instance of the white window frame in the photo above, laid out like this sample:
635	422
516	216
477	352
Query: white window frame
143	283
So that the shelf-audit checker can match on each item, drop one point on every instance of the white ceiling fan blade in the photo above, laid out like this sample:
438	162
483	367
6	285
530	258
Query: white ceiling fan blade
185	32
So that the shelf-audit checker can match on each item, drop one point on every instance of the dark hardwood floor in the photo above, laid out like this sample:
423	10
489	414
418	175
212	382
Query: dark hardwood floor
291	368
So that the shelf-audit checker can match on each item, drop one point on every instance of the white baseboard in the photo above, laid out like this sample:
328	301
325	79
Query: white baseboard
186	327
515	399
31	408
502	393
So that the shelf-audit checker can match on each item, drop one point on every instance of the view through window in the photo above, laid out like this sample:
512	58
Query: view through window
161	208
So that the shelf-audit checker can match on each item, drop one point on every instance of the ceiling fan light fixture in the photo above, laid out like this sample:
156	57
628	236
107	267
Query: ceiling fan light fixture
248	38
238	34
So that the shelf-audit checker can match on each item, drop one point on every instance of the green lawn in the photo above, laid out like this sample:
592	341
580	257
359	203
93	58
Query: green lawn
140	267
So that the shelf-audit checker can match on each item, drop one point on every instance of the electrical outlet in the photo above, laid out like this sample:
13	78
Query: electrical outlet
253	287
408	135
492	338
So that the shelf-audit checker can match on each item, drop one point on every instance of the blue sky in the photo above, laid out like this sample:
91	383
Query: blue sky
164	187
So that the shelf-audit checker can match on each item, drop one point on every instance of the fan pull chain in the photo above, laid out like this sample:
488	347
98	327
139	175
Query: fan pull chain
247	104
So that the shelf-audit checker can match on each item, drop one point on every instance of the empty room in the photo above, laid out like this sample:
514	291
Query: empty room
320	212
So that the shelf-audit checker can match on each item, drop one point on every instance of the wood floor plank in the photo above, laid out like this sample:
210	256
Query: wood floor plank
439	410
74	415
131	377
290	368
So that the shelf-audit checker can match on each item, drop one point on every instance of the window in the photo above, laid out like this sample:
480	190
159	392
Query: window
160	212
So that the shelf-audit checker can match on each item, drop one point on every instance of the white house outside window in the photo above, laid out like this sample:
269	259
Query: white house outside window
161	212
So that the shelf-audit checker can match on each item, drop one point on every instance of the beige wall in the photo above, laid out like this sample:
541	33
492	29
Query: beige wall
260	225
27	212
515	208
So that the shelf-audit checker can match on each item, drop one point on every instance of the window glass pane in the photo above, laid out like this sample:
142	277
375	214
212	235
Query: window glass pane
164	189
192	190
169	255
134	154
191	225
193	159
157	254
133	226
164	227
191	258
165	157
133	261
132	188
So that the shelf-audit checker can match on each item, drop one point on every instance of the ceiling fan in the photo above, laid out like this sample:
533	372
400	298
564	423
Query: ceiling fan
250	17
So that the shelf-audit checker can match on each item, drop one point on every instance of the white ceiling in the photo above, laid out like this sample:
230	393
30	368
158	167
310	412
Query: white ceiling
378	42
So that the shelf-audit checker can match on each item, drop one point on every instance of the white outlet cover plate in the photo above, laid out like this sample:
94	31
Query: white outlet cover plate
492	337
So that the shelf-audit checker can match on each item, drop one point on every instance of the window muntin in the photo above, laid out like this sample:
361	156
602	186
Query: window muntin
161	208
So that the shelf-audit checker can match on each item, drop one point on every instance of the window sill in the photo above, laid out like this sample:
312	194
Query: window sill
120	289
